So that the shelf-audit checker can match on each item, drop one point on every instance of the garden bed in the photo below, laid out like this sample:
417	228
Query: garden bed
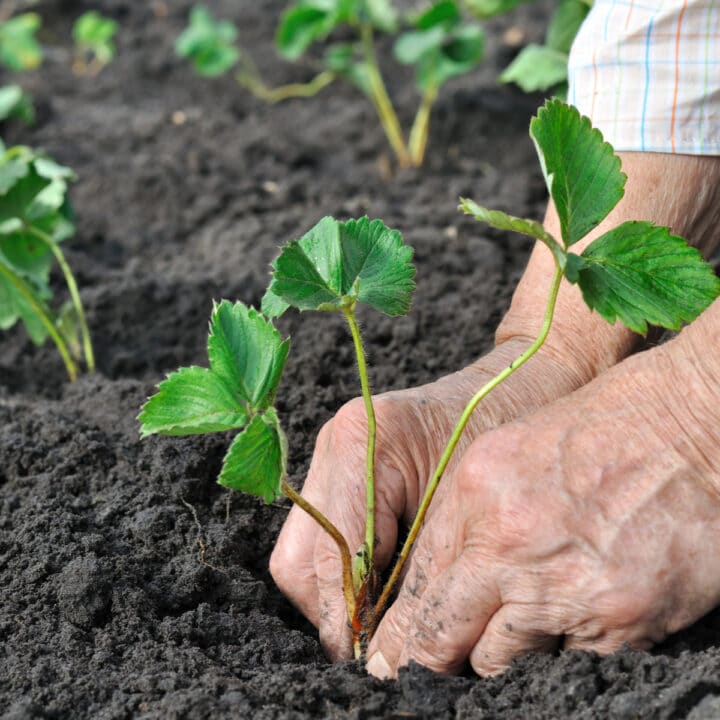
128	589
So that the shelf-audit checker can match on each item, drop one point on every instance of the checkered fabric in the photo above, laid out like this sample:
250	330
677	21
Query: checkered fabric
647	72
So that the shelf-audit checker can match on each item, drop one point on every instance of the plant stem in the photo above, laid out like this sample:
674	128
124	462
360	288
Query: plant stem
381	100
455	437
421	127
372	429
74	294
46	320
345	557
259	89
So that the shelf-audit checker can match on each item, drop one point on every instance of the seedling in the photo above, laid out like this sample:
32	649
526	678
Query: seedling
438	42
19	48
637	272
35	217
94	42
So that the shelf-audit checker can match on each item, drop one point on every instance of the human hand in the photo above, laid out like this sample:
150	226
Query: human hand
413	427
590	524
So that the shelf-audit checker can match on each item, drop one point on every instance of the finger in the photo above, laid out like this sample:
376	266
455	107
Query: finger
609	642
451	617
509	633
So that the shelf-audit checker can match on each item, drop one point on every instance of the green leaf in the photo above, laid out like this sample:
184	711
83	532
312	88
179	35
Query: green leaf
536	68
565	23
247	352
642	274
503	221
581	170
192	401
94	33
255	463
14	307
445	13
484	9
377	266
308	273
337	264
208	44
15	103
19	49
382	15
304	23
440	52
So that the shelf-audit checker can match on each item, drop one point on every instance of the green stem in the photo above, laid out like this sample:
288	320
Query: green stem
336	535
372	428
284	92
454	439
421	127
74	294
46	320
381	100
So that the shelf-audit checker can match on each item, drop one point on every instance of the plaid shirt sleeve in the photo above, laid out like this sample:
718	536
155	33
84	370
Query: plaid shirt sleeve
647	73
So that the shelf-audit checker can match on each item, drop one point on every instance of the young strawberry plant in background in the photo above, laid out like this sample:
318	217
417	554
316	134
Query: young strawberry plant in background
19	46
35	217
94	42
637	272
439	42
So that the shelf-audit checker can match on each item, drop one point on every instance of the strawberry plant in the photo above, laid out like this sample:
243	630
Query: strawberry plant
438	42
35	218
94	42
637	273
19	48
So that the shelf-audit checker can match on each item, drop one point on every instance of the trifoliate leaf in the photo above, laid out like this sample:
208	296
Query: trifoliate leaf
192	401
19	48
209	44
536	68
256	460
642	274
337	264
581	170
94	33
503	221
247	352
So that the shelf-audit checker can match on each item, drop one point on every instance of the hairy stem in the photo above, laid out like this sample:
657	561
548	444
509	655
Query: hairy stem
381	100
259	89
46	320
345	557
74	294
421	127
372	428
455	437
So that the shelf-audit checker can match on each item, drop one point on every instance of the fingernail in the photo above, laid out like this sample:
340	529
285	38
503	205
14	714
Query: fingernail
378	666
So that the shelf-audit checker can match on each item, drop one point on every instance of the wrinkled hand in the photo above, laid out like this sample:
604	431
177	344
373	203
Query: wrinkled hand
592	523
413	426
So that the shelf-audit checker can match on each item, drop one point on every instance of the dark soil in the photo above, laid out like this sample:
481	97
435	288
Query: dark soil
125	592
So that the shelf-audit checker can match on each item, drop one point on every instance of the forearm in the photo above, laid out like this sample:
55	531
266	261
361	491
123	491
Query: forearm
679	191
